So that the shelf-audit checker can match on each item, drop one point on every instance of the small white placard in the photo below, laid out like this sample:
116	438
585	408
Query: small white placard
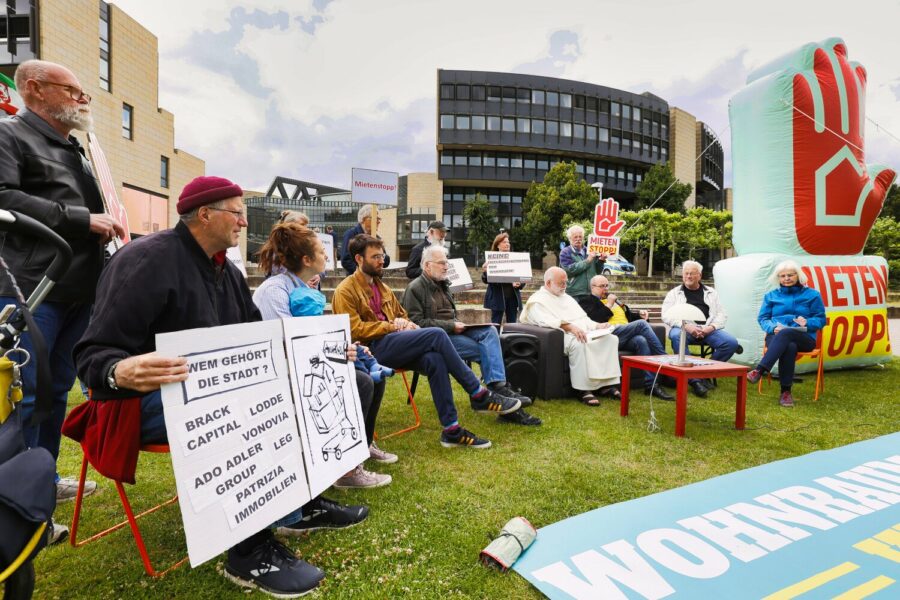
233	434
328	242
374	187
508	267
458	275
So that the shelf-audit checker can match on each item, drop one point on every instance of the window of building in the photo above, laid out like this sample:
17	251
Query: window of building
164	171
447	121
460	159
646	122
626	142
665	131
604	106
615	109
515	161
462	91
529	162
621	175
490	160
646	146
503	161
579	101
509	124
565	100
592	103
604	135
446	158
478	122
655	150
523	96
665	152
590	169
474	159
509	94
493	123
552	127
493	93
127	121
636	114
601	172
523	125
478	92
579	168
537	97
654	129
537	126
616	141
626	111
462	121
552	99
638	177
591	132
543	164
104	47
578	130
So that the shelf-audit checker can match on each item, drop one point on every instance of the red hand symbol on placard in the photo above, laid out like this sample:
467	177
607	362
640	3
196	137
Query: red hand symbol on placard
606	223
836	198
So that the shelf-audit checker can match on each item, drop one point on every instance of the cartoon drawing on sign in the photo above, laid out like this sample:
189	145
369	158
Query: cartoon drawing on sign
331	423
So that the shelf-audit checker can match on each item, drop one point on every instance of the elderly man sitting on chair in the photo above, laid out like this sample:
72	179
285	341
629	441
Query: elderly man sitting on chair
593	356
632	328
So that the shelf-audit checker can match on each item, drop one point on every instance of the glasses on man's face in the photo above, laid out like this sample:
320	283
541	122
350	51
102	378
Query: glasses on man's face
377	257
600	285
239	214
75	93
443	263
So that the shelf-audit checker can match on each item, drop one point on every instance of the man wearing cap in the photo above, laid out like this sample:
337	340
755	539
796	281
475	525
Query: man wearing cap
364	225
437	231
170	281
45	175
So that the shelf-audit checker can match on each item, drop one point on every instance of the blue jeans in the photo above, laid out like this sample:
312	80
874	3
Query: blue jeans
62	325
429	351
783	347
153	431
482	344
723	344
639	338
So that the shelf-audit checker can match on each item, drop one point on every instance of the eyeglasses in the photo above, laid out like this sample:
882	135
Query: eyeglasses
75	93
600	285
377	257
240	214
443	263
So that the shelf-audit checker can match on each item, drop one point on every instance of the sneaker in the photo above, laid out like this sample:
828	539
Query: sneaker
787	400
491	402
322	513
507	392
520	417
360	478
273	568
379	455
67	489
463	438
56	533
754	376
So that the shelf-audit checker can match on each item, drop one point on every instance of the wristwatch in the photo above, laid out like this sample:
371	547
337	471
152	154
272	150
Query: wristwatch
111	377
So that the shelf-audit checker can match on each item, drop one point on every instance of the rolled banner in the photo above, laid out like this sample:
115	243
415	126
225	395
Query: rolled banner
514	539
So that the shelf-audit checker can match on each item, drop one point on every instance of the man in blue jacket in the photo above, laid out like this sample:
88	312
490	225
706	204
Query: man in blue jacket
364	218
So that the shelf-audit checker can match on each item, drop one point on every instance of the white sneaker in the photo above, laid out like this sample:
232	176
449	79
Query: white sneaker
67	489
379	455
360	478
56	533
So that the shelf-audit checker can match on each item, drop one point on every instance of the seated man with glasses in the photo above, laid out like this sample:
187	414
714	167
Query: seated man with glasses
364	216
378	320
429	303
632	328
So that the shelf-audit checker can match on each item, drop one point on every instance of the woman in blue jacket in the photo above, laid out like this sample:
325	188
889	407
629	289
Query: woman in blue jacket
502	298
790	314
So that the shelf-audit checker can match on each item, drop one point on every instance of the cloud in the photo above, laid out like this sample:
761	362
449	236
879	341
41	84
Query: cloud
564	49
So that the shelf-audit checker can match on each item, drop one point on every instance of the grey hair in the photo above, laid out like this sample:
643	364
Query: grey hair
191	216
787	265
692	263
549	274
598	278
294	216
30	69
429	252
364	213
572	229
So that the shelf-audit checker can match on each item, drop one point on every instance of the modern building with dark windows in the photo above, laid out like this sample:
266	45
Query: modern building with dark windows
498	132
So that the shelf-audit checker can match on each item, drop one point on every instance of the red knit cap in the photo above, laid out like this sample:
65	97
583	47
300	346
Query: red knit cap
206	190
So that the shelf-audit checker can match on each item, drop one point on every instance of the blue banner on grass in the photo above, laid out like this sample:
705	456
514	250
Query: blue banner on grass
814	526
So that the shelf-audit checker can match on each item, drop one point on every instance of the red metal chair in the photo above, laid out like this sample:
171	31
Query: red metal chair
814	353
411	400
131	518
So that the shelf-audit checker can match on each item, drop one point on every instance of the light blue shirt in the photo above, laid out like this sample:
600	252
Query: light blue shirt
273	295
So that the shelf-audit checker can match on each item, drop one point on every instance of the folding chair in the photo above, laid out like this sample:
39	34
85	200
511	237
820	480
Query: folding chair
411	400
131	519
814	353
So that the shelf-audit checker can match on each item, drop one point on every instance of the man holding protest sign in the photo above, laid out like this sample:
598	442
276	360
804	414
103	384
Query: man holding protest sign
170	281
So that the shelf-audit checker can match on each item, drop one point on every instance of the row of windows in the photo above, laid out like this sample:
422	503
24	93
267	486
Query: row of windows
104	46
594	170
540	127
496	93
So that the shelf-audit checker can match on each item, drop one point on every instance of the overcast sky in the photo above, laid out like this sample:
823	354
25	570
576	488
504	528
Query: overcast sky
310	88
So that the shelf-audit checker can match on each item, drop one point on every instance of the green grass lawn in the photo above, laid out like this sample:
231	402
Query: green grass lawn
426	529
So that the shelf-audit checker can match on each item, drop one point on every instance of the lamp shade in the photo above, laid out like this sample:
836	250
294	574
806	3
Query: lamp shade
684	312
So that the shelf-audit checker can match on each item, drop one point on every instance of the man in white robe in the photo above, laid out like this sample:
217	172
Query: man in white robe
593	361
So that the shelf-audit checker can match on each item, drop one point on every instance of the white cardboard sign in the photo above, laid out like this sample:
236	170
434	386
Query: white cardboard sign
328	242
233	434
234	255
374	187
508	267
332	429
458	275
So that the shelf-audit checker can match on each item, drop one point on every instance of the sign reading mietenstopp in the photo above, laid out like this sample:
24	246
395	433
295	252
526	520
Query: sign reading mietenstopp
375	187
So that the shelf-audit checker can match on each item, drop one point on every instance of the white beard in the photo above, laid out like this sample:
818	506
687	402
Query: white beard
436	242
77	117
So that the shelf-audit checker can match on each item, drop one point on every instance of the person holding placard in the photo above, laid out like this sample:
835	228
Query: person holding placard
378	319
579	264
502	298
364	216
302	254
171	281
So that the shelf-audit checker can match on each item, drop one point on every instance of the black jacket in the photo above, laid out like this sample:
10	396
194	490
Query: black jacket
349	262
414	264
497	293
599	312
158	283
47	177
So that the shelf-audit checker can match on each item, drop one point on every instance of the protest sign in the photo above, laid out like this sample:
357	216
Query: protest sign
333	432
233	434
374	187
328	242
458	275
604	239
508	267
234	255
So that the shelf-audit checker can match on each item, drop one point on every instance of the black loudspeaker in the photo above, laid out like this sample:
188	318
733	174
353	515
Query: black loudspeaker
520	358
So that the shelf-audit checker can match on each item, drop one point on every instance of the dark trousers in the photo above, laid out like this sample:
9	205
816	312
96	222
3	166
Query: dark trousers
370	395
510	309
783	347
429	351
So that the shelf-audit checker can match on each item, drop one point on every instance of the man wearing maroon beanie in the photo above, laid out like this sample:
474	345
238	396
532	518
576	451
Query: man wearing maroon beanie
170	281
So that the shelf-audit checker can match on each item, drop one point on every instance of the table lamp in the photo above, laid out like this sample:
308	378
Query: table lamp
683	313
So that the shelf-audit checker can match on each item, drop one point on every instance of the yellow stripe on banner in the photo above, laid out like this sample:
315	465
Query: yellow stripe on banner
811	583
866	589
